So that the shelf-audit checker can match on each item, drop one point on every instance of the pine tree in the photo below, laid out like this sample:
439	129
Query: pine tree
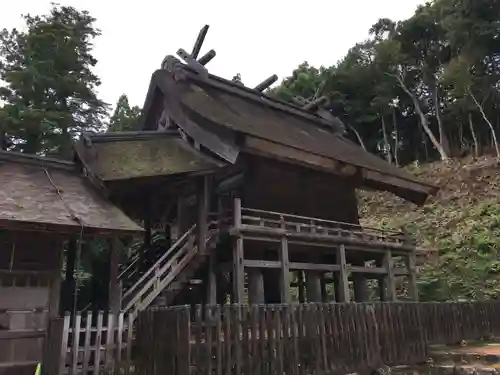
49	89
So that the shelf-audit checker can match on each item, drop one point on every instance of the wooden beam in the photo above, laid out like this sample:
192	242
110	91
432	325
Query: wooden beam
314	267
212	281
285	271
203	204
313	286
312	105
266	233
207	57
199	41
301	286
255	286
238	265
266	83
412	273
248	263
193	64
55	283
343	284
115	292
389	278
371	248
361	290
324	295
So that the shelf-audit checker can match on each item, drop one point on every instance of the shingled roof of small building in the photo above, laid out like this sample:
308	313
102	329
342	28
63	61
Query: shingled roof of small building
212	109
46	194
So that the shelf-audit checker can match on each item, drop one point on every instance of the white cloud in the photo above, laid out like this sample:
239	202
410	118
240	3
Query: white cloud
255	38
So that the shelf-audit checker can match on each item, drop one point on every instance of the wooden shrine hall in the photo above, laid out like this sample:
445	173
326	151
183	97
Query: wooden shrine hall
257	197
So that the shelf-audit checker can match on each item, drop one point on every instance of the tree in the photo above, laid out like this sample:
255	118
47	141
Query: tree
124	118
49	87
474	70
397	65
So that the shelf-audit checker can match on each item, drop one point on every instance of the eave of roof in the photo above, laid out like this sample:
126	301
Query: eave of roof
141	154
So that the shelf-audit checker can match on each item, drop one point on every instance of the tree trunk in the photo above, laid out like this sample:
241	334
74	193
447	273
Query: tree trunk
473	132
493	133
388	154
396	135
445	142
423	120
358	136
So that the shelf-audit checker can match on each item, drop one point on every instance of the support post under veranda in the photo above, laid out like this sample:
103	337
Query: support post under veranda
115	290
238	266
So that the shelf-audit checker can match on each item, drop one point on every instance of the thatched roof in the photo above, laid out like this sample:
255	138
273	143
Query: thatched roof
130	155
223	107
39	193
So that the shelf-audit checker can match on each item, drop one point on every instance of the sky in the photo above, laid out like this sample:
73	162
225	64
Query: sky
256	38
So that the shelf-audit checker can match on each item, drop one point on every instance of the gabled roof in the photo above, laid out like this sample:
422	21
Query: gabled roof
228	118
131	155
46	194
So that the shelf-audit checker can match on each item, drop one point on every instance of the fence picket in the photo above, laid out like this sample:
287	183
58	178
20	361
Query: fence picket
86	344
76	341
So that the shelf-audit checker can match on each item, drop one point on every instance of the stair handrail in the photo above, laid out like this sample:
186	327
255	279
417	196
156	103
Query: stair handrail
160	276
160	280
152	269
134	261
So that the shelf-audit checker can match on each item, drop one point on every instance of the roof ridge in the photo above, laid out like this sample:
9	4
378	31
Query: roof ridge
36	160
257	96
128	135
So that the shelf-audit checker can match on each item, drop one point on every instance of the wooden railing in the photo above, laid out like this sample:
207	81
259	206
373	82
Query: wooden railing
304	339
164	271
90	344
313	228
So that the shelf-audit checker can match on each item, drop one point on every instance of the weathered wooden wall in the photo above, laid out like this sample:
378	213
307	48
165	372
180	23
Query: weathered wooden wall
29	263
283	187
304	339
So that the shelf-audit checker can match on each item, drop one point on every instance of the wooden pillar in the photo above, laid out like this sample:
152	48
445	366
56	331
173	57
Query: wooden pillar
324	293
389	282
212	280
203	204
301	286
361	290
238	268
114	283
285	268
343	281
412	276
255	286
145	254
313	286
55	283
69	278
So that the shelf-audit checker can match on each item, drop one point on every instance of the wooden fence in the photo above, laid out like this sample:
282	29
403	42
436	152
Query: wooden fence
303	339
90	344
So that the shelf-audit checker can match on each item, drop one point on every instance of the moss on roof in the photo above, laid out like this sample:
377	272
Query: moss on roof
157	156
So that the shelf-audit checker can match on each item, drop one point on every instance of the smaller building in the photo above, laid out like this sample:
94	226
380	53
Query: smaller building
43	204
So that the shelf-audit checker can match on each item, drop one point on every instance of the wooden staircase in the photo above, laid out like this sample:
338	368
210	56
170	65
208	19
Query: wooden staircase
171	273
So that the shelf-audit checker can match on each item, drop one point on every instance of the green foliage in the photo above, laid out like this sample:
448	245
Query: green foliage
124	118
427	64
49	89
462	224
